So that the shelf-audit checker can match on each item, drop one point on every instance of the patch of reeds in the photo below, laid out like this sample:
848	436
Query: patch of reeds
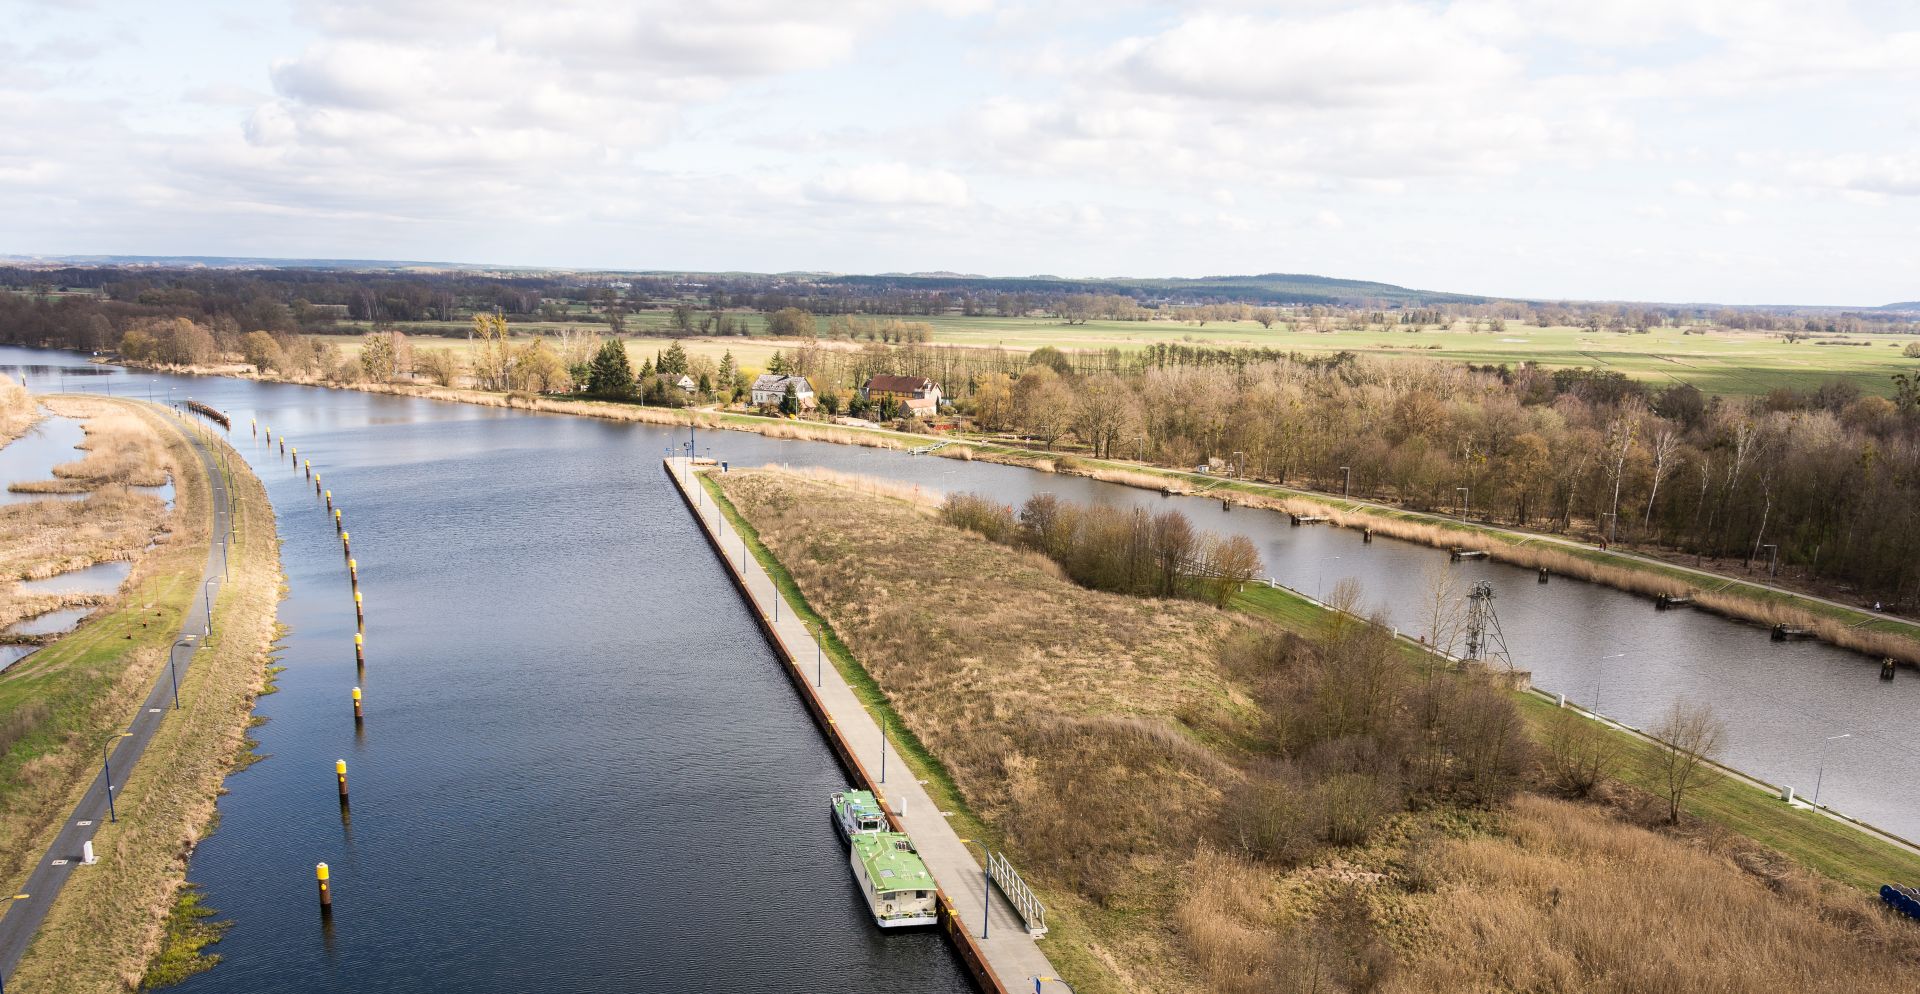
18	411
1567	899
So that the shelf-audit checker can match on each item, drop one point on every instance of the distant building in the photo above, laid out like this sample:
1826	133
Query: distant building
917	394
771	388
681	382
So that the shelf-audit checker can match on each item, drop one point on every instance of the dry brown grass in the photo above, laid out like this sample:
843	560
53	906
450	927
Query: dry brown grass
1567	899
18	411
1103	737
42	538
1053	707
120	448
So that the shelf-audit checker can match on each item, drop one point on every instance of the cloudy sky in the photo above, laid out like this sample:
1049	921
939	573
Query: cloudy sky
1745	151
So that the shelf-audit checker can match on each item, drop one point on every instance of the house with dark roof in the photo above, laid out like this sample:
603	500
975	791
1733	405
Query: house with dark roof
916	394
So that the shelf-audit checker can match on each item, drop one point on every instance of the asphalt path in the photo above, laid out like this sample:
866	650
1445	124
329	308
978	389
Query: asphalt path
120	753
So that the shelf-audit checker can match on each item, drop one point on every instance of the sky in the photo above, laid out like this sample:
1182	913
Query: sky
1733	151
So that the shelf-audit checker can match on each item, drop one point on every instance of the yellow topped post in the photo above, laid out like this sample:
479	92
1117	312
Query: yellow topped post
340	774
320	873
358	715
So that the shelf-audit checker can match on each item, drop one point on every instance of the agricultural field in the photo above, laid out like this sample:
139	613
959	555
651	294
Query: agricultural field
1731	363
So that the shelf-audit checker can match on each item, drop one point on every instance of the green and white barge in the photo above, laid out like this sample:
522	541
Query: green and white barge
857	812
897	886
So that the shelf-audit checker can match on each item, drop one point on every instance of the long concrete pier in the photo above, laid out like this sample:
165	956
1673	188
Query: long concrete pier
1008	958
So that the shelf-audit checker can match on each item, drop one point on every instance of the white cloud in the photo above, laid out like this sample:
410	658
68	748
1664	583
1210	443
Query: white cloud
1893	174
892	184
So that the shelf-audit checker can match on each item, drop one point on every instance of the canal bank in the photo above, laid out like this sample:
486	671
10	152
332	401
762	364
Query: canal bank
93	927
1846	626
1006	957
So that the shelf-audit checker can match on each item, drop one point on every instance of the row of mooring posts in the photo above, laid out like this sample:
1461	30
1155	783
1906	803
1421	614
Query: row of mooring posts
322	874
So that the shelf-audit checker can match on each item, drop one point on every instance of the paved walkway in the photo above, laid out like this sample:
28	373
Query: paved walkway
62	859
1012	954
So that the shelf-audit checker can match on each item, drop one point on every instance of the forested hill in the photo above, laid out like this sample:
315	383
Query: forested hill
1268	288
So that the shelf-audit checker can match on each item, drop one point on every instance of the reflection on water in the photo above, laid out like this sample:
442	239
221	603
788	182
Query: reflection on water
51	623
31	457
100	578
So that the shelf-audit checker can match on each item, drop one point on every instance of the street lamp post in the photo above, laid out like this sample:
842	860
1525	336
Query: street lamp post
1598	676
172	654
986	885
206	591
106	769
1773	559
1346	481
1822	774
1466	499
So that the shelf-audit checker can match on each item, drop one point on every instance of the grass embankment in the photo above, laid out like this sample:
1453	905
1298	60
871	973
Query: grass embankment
1109	744
59	704
1820	843
108	922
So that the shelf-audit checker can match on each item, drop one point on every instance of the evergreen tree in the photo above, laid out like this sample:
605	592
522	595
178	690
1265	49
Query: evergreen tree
777	365
728	371
706	384
675	361
610	374
790	401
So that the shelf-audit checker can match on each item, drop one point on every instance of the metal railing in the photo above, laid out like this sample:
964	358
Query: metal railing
1018	894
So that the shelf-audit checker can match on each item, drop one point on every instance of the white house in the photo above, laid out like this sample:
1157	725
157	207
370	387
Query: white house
771	388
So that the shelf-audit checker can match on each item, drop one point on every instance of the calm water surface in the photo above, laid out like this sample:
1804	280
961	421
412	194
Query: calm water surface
582	770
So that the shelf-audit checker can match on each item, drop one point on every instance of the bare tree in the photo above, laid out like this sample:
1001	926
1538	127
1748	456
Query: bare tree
1581	753
1694	737
1666	443
1444	607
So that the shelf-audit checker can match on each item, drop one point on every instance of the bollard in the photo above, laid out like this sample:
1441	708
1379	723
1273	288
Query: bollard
326	893
359	651
1560	700
87	858
358	715
1786	794
359	615
307	464
336	521
329	500
295	458
353	572
283	445
340	773
347	544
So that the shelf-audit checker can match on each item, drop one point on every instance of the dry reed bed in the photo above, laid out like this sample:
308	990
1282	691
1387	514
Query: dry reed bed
1563	901
43	538
18	411
120	448
109	923
1059	713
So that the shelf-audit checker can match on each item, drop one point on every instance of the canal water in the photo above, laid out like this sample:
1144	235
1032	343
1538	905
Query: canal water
582	769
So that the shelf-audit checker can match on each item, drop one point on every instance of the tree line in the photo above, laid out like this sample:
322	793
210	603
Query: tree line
1824	481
